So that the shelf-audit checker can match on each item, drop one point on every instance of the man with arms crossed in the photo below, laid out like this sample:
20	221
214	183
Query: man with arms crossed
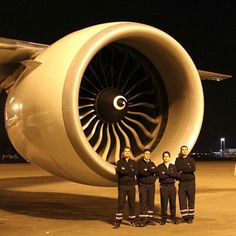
167	174
186	166
146	185
126	171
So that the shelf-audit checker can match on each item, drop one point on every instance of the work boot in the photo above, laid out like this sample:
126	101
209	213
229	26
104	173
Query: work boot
133	222
116	224
189	220
140	222
173	220
163	221
137	222
184	220
150	221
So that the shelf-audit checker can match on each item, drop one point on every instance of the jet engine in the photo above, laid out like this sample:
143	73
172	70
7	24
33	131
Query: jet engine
82	99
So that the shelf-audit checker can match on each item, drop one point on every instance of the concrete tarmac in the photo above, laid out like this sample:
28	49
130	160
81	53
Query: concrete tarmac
33	202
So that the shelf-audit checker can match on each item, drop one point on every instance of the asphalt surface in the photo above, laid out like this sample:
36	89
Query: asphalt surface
33	202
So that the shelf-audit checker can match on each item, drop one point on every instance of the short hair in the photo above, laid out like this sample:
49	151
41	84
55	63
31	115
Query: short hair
146	150
184	146
165	153
126	147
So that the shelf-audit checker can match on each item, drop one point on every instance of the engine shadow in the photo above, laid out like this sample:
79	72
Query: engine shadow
58	205
55	205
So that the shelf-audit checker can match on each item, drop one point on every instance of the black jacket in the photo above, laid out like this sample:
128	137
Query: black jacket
146	172
187	168
126	171
167	175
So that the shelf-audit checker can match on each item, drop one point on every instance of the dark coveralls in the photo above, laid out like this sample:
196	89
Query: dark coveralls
186	166
146	184
126	171
167	178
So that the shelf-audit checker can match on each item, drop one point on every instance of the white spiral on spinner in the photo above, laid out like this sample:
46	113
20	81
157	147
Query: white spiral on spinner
115	102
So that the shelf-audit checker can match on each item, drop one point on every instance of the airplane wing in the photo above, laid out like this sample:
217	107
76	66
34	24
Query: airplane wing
207	75
14	54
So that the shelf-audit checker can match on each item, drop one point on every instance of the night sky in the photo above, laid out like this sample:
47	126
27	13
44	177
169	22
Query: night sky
206	29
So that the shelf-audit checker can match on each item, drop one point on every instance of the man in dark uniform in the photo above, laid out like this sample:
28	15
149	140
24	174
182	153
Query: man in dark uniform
186	166
167	174
127	171
146	184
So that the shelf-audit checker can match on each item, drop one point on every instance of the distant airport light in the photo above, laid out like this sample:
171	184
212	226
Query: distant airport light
222	144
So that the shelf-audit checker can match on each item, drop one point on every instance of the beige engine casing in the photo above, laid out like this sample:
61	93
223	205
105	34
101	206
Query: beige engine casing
42	117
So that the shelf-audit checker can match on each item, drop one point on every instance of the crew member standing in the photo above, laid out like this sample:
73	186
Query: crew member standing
167	174
186	166
127	171
146	184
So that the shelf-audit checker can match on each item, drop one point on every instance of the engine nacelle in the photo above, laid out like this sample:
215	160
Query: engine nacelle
99	89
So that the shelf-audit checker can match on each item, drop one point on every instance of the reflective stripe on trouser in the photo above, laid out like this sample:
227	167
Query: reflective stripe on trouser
119	216
184	213
191	213
150	214
143	216
187	213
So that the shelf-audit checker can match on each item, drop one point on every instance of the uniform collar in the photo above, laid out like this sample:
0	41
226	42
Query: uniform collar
126	159
146	160
166	165
184	157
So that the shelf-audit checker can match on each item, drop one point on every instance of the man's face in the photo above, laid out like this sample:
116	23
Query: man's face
147	155
127	153
184	151
166	158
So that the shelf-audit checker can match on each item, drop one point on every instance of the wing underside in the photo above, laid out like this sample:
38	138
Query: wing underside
15	56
